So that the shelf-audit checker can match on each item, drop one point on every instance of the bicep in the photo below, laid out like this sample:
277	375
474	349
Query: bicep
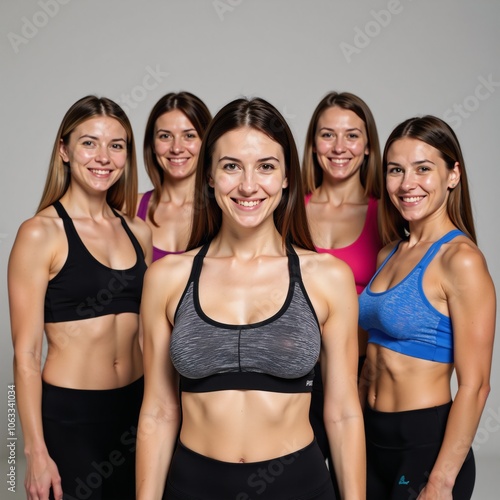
472	308
28	277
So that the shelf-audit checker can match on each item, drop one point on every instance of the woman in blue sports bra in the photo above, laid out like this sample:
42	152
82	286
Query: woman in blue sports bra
75	272
234	327
429	311
172	141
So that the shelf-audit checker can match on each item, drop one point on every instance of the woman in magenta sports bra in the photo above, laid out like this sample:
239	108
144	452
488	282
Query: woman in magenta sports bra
75	273
172	140
341	171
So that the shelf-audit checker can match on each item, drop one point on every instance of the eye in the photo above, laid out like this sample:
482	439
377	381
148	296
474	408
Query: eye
230	167
117	146
394	170
267	167
191	136
326	135
352	136
164	136
87	143
424	169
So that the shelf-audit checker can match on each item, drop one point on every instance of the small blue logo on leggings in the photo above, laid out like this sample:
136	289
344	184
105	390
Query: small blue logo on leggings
403	481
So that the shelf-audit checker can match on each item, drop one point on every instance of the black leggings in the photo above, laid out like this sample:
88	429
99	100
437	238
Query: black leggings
401	449
301	475
91	437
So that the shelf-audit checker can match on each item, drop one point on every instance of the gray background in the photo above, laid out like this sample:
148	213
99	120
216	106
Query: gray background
403	57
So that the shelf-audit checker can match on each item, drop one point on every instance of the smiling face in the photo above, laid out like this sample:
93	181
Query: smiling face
96	152
248	175
418	180
176	144
340	143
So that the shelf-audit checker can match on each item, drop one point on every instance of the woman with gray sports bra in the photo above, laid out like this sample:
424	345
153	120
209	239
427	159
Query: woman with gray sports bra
429	311
238	323
75	272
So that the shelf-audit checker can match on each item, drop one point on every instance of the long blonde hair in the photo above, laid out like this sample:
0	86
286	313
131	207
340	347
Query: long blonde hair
124	192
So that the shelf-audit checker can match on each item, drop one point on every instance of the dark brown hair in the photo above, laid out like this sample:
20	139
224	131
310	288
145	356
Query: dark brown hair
439	135
289	216
197	113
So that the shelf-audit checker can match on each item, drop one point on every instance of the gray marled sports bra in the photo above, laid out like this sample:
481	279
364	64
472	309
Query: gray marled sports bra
277	354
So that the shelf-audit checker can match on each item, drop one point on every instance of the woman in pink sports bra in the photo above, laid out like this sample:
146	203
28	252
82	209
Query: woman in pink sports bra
341	172
172	140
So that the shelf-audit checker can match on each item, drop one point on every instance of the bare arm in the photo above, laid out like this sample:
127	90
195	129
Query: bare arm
28	275
472	305
339	361
160	412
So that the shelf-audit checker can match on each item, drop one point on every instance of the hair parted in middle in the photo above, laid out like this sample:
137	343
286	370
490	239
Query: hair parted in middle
370	170
290	215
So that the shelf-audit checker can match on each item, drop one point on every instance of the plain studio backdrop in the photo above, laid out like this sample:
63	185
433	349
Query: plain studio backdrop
403	57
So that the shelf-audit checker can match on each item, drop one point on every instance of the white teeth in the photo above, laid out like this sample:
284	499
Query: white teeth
339	161
248	203
177	160
412	199
100	172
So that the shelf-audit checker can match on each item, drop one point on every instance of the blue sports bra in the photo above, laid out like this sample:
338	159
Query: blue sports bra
277	354
85	288
402	318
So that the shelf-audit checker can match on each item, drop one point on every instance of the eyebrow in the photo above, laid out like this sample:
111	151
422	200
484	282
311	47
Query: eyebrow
93	137
169	131
415	163
230	158
347	130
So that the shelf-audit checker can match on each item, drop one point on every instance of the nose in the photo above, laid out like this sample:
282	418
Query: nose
408	181
176	146
102	155
248	184
338	144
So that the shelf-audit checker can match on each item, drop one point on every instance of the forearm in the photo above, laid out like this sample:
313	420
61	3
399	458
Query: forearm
461	428
156	440
347	445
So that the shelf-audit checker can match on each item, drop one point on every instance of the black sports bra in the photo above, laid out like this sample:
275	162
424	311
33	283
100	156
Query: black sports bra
85	288
277	354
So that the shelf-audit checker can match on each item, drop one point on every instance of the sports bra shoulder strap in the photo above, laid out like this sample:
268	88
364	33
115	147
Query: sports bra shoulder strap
434	248
293	263
198	263
142	211
61	211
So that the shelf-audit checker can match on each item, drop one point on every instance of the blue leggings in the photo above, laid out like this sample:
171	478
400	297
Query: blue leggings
301	475
401	449
91	436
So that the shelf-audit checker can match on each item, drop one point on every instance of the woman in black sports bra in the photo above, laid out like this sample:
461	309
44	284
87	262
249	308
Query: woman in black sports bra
76	271
239	321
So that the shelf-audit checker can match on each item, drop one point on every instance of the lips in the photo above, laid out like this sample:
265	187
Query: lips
248	203
411	199
99	171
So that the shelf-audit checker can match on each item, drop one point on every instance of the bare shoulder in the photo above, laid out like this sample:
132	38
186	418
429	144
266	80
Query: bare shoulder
324	269
462	254
139	227
385	251
41	230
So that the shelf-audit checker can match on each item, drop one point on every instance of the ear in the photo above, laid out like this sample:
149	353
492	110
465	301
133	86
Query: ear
63	153
454	176
285	183
210	182
367	150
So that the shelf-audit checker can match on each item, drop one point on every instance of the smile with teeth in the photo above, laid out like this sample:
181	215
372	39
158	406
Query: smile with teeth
339	161
411	199
99	172
248	203
178	161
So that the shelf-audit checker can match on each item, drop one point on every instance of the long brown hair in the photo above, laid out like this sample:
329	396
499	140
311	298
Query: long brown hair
122	194
439	135
370	170
197	113
289	216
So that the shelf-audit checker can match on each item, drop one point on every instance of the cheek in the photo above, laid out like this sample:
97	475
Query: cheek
194	148
160	148
322	147
120	159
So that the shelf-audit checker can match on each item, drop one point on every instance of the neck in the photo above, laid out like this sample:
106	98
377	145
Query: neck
339	192
83	204
178	191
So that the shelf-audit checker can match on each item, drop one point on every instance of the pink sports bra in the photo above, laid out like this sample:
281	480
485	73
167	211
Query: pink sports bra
361	256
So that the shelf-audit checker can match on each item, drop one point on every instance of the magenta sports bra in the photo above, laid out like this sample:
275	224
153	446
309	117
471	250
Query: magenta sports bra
361	256
142	212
